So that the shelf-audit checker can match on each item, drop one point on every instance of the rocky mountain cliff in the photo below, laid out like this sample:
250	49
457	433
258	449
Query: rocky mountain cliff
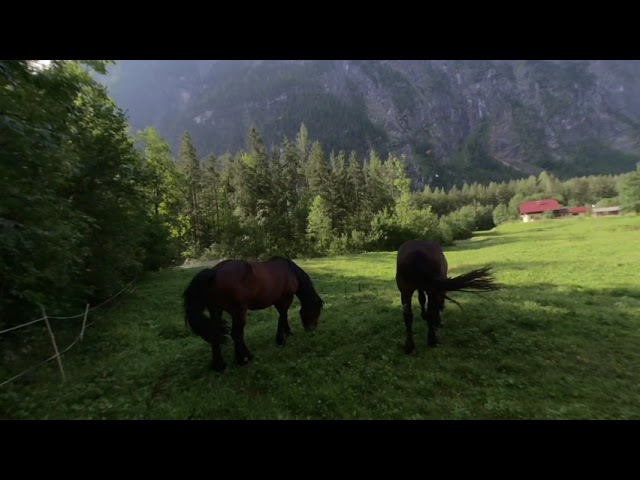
455	120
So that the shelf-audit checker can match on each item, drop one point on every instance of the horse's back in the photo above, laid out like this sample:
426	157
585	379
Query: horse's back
232	283
233	270
276	274
424	248
255	284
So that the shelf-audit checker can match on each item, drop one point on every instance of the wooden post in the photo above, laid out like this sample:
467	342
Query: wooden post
84	321
53	340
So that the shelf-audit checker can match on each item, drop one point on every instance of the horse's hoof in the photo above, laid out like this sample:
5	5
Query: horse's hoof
244	360
218	367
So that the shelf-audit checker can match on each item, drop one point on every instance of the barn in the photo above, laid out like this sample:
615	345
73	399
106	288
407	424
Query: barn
577	210
530	210
605	211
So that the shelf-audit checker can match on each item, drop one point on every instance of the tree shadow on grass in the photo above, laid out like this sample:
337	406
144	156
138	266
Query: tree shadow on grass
534	351
464	245
569	342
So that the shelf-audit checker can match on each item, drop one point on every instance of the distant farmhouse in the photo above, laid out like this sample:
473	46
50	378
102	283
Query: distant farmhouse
603	211
530	211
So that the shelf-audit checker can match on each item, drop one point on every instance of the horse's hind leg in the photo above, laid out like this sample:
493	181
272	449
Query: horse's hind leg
243	355
433	320
422	298
217	361
439	308
405	298
283	322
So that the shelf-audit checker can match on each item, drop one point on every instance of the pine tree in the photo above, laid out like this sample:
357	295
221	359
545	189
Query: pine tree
578	192
164	196
630	191
211	187
192	174
302	142
600	187
289	221
261	179
318	171
337	193
319	227
396	178
161	172
357	191
377	196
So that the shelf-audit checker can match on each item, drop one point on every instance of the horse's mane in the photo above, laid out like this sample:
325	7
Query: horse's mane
306	291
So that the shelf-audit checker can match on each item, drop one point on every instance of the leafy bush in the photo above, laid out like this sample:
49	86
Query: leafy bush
501	214
608	202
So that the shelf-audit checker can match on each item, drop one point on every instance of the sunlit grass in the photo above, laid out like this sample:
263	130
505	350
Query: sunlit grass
561	341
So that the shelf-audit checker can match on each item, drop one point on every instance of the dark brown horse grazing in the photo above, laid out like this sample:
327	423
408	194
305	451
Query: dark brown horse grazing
422	266
236	286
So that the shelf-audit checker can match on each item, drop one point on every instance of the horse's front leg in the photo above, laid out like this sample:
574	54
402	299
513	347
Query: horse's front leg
283	322
243	355
217	338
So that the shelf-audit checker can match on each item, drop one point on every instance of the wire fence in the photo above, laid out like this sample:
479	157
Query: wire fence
58	353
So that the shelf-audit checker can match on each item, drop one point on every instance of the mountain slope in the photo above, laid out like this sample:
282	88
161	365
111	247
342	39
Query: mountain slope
468	119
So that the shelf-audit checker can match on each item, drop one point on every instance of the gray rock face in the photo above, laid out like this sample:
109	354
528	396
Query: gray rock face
569	117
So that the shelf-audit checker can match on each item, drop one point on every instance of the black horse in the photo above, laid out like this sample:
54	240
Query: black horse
236	286
422	266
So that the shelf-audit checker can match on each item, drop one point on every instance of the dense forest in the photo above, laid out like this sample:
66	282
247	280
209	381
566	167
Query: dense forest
87	205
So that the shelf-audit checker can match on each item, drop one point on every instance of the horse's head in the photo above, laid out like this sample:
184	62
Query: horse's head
310	313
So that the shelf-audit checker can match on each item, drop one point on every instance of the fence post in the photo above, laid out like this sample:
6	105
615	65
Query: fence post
84	321
53	340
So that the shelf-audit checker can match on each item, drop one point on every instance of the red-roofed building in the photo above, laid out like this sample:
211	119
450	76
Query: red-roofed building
577	210
529	209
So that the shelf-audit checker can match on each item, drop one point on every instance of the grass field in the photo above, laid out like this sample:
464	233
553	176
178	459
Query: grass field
561	341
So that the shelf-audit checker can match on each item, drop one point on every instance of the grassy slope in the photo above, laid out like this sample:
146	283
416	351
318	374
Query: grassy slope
561	341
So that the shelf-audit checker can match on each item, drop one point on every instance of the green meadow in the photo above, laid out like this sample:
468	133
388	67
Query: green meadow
560	341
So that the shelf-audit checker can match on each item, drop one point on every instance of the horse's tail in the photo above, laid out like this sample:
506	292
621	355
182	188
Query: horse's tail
480	280
196	299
